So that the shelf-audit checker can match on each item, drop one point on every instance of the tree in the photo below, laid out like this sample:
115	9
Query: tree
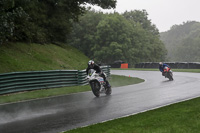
110	37
146	37
83	35
182	42
42	21
13	20
113	33
141	17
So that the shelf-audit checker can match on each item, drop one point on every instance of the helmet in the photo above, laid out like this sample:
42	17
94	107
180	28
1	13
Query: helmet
91	63
160	63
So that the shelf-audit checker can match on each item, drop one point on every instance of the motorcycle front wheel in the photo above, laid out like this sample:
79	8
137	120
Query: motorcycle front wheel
95	88
171	76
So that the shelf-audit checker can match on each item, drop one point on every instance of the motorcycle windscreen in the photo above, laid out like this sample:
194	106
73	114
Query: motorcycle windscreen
90	72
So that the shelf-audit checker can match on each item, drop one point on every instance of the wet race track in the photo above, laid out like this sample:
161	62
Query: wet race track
53	115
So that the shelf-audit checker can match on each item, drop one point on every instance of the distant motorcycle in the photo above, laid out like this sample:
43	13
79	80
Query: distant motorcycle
168	73
97	83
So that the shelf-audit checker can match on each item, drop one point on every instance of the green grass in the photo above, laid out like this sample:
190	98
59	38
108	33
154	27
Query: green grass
124	80
114	80
154	69
182	117
36	57
187	70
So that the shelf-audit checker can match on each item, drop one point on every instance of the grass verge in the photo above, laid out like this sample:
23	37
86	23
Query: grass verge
114	80
182	117
17	57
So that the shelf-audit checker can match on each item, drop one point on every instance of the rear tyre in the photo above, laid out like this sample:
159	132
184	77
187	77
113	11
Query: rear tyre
108	91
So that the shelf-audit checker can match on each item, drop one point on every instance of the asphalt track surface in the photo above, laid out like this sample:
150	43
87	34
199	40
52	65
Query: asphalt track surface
57	114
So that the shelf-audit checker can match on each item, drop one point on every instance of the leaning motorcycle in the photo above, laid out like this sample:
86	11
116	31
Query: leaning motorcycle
168	73
97	83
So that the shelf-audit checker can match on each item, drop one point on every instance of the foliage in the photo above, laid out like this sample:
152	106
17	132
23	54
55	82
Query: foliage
141	17
112	38
130	37
183	42
13	20
42	21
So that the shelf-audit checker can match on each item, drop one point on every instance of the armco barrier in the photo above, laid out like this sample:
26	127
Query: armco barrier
176	65
32	80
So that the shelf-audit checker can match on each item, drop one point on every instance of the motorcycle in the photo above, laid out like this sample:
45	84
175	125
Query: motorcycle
97	83
168	73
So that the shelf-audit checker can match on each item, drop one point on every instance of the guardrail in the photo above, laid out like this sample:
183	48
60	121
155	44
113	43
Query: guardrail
33	80
178	65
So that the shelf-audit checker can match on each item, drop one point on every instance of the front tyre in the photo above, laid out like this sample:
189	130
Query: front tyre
171	76
95	88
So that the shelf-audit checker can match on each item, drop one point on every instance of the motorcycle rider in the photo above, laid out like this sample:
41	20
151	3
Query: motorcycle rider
162	66
92	65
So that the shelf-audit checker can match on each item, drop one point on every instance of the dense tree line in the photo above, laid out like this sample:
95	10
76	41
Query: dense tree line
104	37
183	42
42	21
130	37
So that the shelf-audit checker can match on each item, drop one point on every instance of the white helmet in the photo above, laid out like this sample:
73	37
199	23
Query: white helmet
160	63
91	63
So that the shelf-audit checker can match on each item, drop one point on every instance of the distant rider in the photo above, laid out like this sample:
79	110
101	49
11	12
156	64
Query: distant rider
162	66
92	65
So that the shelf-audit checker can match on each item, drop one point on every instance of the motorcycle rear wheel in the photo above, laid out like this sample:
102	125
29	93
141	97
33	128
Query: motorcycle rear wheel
108	91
